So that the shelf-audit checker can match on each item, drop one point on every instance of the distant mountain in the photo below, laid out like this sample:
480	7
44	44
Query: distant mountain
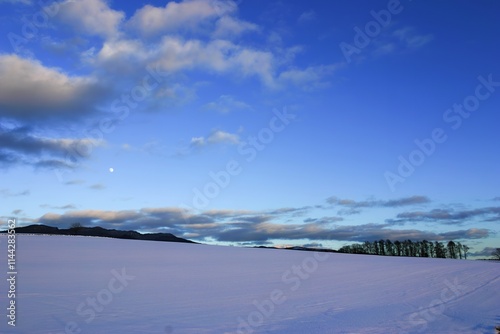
99	232
300	248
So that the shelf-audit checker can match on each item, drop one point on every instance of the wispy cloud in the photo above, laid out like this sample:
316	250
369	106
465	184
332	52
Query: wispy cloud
216	137
10	193
310	78
230	27
353	207
74	182
24	2
225	104
97	186
307	16
400	40
411	38
62	207
449	216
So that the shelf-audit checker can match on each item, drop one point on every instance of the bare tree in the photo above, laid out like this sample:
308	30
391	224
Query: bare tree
76	227
398	245
459	249
440	250
432	252
409	248
465	248
496	254
452	249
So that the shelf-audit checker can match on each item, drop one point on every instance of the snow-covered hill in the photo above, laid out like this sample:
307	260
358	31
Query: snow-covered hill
96	285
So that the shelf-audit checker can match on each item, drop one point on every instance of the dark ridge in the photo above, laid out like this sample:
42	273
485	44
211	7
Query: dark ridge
299	248
99	232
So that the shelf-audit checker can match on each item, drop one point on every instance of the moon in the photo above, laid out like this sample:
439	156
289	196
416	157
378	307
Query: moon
111	170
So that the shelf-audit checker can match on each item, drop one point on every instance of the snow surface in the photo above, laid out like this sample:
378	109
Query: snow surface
185	288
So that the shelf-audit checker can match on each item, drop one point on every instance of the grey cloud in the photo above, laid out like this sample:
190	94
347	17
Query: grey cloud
252	244
52	164
295	212
91	218
176	217
73	182
365	232
348	212
472	233
246	216
407	201
448	216
246	226
324	220
8	159
486	252
253	219
21	140
222	214
350	207
9	193
313	245
62	207
19	145
35	92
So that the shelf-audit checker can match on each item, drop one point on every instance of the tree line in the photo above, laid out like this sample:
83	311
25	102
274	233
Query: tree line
451	250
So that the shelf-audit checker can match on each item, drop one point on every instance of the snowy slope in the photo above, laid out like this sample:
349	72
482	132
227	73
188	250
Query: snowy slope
98	285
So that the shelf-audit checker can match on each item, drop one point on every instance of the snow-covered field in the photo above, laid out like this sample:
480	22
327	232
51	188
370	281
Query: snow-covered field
98	285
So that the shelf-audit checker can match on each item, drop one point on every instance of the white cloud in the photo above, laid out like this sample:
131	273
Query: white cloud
252	62
309	78
228	26
93	17
219	136
178	15
216	137
198	141
121	49
226	103
122	58
220	56
175	55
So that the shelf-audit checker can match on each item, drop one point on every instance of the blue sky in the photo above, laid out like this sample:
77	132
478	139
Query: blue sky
254	122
